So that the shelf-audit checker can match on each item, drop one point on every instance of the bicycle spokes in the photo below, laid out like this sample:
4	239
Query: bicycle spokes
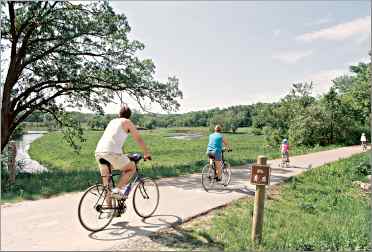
143	191
96	208
146	197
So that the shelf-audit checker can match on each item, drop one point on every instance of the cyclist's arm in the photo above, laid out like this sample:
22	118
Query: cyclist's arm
129	126
225	143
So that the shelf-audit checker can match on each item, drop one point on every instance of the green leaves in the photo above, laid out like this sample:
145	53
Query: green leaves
337	117
79	54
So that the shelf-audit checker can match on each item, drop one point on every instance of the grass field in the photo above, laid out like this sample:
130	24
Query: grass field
320	210
171	157
168	154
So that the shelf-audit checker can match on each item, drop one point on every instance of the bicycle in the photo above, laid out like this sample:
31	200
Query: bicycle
364	146
285	160
96	214
209	173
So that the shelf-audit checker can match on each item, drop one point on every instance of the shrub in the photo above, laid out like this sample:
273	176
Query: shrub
257	131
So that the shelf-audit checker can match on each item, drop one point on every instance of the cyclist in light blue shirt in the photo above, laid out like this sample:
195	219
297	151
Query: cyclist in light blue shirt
214	149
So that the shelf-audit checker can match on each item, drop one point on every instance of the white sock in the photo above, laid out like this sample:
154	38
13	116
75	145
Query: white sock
117	190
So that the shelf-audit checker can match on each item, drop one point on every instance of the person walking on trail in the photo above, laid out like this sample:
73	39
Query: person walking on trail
109	151
214	149
284	149
363	140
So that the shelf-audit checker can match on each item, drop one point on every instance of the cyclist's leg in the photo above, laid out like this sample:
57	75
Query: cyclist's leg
127	167
211	157
105	174
218	162
210	161
106	178
128	171
218	167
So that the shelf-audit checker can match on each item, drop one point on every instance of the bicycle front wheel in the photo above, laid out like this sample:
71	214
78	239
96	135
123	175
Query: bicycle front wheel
146	197
208	175
226	174
94	211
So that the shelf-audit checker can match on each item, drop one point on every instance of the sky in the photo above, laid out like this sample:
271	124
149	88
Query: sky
243	52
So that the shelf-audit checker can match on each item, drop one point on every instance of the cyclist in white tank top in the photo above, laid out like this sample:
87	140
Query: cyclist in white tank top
110	148
113	138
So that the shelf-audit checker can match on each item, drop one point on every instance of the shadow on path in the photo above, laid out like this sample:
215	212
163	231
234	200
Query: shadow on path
122	230
181	238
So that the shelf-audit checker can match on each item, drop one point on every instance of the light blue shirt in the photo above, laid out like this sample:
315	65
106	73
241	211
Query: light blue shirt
215	142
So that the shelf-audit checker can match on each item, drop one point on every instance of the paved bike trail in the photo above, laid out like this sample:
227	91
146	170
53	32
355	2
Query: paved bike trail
52	224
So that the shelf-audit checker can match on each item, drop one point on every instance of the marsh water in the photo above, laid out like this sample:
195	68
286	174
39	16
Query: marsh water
22	156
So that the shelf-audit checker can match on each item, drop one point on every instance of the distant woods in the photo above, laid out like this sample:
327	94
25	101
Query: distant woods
337	117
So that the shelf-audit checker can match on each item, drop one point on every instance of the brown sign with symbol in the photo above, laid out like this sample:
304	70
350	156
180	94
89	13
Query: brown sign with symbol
260	175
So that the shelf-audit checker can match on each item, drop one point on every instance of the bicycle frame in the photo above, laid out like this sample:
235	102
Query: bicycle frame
136	178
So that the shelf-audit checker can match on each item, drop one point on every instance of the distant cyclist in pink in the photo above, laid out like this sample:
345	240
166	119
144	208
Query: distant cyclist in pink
284	149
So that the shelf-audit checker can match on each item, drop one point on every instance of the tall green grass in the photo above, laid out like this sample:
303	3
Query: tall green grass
319	210
167	153
70	171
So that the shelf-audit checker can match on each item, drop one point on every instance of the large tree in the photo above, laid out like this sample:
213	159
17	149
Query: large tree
72	55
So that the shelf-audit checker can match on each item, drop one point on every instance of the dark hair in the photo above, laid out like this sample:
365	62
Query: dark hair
125	112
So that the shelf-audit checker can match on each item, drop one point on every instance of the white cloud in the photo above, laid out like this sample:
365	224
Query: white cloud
277	32
339	32
291	57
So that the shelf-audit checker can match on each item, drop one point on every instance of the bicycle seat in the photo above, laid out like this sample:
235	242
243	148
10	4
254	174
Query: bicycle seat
135	157
104	162
211	156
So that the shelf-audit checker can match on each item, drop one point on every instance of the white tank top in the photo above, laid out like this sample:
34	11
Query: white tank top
113	137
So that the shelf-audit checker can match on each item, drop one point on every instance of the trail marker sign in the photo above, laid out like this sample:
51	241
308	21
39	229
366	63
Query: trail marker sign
260	174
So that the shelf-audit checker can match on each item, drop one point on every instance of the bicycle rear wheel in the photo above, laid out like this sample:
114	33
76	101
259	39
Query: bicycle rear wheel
226	174
207	178
146	197
93	211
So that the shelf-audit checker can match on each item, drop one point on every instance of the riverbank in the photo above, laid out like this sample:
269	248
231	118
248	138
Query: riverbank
23	159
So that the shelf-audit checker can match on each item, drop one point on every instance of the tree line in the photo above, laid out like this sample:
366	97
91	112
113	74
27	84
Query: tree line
337	117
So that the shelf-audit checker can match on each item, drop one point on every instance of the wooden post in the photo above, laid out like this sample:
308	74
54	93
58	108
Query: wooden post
258	211
12	152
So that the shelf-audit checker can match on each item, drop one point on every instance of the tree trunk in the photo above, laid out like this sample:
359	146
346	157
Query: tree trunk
7	115
6	118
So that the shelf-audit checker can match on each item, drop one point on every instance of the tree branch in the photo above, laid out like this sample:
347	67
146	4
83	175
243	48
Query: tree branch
50	50
27	21
12	27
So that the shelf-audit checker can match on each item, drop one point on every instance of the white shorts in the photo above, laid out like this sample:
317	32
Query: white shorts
117	161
